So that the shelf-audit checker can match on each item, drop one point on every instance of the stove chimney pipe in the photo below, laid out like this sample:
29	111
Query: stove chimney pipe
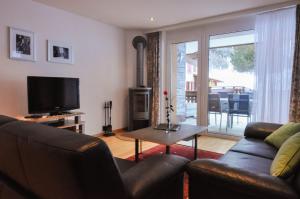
139	43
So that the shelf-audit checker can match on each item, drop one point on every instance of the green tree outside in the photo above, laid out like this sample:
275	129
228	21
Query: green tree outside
218	57
242	58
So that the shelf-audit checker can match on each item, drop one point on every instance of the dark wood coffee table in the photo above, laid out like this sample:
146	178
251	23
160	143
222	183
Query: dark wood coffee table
161	137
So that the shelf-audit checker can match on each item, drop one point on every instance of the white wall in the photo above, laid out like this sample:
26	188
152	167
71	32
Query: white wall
99	60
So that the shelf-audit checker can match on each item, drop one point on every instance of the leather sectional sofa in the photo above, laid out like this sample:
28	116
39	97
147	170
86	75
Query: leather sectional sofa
243	172
37	161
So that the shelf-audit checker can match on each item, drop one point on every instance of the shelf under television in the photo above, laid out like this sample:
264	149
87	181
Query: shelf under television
71	121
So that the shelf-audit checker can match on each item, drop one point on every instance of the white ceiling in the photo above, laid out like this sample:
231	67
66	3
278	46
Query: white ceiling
135	14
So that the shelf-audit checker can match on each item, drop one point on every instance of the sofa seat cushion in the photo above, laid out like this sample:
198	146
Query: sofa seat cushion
247	162
255	147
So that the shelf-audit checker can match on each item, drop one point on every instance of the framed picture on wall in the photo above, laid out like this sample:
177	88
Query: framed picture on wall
22	44
60	52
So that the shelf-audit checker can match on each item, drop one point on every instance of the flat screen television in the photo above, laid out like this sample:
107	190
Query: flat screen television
52	95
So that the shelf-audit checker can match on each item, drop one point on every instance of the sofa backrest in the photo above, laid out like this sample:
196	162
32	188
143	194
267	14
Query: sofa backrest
47	162
4	120
260	130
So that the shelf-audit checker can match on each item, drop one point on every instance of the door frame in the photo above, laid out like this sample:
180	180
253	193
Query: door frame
201	34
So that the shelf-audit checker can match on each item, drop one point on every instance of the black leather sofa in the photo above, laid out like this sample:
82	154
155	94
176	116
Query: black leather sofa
37	161
243	172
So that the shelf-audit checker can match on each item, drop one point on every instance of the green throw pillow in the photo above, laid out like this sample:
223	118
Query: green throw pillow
278	137
287	158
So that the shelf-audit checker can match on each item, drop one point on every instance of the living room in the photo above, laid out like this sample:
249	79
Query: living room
130	99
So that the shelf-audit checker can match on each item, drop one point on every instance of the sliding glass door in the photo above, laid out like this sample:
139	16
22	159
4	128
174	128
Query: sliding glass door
231	82
184	82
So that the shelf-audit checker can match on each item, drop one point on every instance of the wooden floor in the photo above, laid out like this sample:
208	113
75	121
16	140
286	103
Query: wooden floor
124	147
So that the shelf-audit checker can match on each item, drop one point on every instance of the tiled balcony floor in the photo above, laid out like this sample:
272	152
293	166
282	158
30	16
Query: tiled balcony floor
238	126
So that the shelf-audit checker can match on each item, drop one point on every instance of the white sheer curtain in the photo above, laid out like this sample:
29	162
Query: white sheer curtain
274	51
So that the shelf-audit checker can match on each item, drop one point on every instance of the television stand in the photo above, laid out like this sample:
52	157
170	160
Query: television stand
70	121
60	113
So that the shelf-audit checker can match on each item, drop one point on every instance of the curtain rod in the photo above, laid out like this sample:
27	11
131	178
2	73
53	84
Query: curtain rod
227	16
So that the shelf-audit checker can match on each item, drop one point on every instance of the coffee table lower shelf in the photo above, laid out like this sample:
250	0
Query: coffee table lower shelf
137	142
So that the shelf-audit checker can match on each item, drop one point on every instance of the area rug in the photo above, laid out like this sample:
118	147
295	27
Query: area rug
184	151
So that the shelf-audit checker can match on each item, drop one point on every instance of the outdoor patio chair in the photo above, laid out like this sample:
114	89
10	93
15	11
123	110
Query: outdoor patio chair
238	105
214	107
223	94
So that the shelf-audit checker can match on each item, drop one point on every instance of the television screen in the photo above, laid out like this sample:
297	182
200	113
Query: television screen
52	94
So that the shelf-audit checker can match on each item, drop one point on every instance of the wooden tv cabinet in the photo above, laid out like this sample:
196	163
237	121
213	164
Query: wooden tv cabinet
70	121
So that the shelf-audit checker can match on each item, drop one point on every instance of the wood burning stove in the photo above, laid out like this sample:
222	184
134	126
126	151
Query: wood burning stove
139	108
139	97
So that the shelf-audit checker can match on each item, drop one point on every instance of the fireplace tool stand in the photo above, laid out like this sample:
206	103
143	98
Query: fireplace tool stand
107	128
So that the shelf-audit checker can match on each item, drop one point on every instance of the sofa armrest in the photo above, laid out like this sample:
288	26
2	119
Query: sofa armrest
260	130
150	176
207	175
